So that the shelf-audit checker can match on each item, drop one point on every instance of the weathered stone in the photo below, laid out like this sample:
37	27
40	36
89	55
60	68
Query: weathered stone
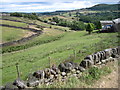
90	63
55	69
68	74
46	80
56	76
96	60
2	88
63	74
48	83
74	75
52	72
87	63
69	65
99	63
77	72
83	64
94	66
89	57
51	76
10	86
93	56
107	60
19	83
75	66
47	73
39	74
98	55
103	61
81	69
73	70
33	83
62	67
102	55
107	53
111	59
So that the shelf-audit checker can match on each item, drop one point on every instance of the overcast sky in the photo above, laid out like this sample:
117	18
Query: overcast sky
48	5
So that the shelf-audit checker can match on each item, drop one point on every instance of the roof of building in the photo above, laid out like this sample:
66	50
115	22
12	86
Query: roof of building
117	20
106	22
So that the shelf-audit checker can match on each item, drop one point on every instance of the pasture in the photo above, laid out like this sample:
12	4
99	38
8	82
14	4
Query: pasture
36	57
10	34
12	23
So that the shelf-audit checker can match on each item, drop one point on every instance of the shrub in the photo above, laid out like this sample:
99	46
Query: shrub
90	27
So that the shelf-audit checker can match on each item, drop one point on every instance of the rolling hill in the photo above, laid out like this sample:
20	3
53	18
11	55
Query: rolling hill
105	7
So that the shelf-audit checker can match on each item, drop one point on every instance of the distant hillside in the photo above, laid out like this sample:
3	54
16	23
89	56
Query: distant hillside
98	7
105	7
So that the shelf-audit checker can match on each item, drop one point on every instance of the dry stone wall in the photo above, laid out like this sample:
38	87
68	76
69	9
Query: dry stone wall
38	32
18	21
63	70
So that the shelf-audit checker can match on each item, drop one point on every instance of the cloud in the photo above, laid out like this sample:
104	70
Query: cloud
47	5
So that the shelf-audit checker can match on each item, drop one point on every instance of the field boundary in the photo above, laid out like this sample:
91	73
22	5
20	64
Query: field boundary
18	21
67	69
38	32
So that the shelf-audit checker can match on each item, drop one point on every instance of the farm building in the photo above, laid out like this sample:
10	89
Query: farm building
113	25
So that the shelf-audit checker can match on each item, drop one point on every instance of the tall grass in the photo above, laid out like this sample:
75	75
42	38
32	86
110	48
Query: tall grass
36	57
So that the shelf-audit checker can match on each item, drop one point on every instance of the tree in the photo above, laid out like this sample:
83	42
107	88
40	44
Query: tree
90	27
98	25
55	19
16	14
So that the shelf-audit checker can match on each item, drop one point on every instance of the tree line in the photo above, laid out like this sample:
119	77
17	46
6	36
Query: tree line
25	15
77	25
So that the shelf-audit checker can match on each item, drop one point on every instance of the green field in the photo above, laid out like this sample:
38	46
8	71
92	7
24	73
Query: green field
36	57
12	23
30	21
10	34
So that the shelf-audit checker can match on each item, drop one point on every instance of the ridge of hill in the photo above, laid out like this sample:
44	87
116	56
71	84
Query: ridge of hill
105	7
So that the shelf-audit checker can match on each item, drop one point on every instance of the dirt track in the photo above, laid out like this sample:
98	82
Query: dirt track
111	80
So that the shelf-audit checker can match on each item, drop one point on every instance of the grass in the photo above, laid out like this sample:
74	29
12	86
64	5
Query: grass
88	78
33	21
49	35
53	26
12	23
10	34
36	57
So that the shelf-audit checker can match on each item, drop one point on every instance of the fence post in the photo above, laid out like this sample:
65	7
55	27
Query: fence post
18	72
49	58
74	53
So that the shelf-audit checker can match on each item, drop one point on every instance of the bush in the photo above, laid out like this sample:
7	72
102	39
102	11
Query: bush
90	27
74	25
16	14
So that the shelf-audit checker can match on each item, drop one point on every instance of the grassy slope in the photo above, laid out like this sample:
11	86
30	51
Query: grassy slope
36	57
53	26
48	35
35	21
19	24
10	34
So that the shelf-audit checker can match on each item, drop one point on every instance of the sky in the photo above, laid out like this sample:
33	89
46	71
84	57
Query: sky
48	5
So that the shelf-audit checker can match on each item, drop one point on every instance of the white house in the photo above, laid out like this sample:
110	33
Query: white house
113	25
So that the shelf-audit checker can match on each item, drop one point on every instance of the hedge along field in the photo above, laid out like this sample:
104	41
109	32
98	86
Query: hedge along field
52	26
36	57
10	34
35	21
12	23
48	35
